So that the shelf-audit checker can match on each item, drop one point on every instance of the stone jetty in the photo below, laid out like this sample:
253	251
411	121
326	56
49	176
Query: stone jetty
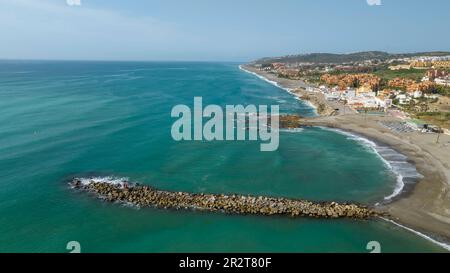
145	196
290	121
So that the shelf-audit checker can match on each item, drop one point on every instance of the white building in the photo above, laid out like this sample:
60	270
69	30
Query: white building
350	93
431	96
417	94
403	99
332	96
425	79
445	81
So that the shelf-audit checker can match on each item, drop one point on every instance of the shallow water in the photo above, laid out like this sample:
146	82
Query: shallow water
65	119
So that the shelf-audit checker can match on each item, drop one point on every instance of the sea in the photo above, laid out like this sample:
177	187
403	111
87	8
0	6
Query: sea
112	120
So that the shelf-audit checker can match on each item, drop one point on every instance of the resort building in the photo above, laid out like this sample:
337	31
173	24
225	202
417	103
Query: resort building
364	90
441	64
436	73
444	81
403	99
421	64
350	93
417	94
400	67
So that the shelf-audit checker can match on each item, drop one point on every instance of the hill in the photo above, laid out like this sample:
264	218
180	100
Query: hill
345	58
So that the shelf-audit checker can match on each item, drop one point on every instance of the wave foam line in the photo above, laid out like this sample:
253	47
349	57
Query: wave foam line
400	183
106	179
289	90
292	130
426	237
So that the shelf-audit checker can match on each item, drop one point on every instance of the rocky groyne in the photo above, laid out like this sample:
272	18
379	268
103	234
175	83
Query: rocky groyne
145	196
290	121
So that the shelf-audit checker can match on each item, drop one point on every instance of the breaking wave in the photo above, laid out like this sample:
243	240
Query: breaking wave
106	179
397	163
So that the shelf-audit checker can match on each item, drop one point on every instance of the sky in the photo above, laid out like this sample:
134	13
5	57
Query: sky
217	30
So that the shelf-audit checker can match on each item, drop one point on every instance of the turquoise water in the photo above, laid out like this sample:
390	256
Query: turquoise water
65	119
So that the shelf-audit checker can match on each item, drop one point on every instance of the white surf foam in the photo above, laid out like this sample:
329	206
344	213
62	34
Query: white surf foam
292	130
307	102
262	77
106	179
441	244
398	165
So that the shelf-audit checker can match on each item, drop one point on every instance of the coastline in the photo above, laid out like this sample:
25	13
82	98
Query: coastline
297	88
424	208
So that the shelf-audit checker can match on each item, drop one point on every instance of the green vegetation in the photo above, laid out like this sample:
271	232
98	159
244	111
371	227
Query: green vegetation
346	58
435	114
387	74
443	90
441	119
313	77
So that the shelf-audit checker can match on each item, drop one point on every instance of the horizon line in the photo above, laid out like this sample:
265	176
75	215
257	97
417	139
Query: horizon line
115	60
211	61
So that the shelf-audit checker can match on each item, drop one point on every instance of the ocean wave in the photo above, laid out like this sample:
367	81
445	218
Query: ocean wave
308	103
397	163
105	179
292	130
115	75
16	72
264	78
127	78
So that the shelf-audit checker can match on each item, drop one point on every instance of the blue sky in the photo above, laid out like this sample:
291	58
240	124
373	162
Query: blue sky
221	30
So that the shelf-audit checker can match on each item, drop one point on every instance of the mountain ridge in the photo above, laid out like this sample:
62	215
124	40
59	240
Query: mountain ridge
335	58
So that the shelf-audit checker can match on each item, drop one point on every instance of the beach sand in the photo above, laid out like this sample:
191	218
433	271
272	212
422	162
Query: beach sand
424	207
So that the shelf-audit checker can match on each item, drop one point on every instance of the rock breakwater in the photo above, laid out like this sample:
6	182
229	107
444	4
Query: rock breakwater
145	196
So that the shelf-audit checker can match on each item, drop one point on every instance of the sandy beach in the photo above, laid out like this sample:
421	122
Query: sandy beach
426	206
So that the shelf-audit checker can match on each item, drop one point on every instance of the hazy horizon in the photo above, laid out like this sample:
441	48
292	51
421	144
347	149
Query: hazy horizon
200	61
201	30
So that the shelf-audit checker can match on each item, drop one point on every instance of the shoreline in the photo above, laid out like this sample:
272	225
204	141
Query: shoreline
297	88
313	105
423	209
402	188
